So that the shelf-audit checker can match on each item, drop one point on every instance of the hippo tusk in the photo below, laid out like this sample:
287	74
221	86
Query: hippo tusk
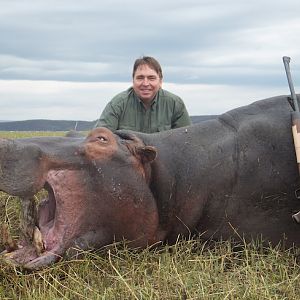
9	243
28	218
296	217
38	241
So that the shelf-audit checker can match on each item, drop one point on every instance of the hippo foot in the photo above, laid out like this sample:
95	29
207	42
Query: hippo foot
26	257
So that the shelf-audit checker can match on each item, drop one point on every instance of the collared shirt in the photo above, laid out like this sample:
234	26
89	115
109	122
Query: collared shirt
127	111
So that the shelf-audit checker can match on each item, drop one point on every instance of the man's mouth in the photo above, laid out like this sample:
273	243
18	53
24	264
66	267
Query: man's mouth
146	91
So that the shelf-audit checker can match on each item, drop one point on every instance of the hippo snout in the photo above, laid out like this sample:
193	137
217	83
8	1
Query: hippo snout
20	168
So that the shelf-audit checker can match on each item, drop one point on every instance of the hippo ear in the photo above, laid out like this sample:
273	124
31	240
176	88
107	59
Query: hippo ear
147	153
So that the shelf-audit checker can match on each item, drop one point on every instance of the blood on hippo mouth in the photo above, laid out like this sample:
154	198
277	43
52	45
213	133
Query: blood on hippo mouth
42	228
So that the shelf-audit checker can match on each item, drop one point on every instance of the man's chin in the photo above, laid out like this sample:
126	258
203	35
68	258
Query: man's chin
146	97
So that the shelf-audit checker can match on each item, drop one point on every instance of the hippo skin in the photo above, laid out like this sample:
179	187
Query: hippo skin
234	176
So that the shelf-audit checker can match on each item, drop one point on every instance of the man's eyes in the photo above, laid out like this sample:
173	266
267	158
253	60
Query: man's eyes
149	78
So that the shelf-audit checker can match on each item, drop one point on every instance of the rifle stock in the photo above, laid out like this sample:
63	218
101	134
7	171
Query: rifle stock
296	135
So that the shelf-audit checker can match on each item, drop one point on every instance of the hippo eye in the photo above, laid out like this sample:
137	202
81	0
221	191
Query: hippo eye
102	139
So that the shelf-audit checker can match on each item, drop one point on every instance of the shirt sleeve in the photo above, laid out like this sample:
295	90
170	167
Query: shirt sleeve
181	117
109	118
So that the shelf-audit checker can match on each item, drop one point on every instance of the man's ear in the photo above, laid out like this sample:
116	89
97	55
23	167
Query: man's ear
147	153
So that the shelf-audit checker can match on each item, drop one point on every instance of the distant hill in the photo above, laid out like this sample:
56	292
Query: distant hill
46	125
63	125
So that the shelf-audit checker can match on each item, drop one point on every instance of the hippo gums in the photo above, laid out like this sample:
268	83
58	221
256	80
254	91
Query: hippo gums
232	176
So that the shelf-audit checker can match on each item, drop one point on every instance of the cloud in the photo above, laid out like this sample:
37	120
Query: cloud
56	55
25	99
19	68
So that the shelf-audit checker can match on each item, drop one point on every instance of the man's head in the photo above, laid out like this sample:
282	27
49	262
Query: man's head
147	78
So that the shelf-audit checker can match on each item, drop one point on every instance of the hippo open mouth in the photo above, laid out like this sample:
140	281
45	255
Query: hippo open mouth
90	201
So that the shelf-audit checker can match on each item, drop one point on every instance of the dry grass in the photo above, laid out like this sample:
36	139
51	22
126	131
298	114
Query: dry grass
186	270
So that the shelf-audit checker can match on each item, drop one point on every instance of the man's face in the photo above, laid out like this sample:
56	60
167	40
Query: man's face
146	83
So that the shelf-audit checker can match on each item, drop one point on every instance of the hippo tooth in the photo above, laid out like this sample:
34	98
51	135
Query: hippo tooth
8	254
38	241
8	241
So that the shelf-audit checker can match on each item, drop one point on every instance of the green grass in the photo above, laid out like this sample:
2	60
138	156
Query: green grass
190	269
21	134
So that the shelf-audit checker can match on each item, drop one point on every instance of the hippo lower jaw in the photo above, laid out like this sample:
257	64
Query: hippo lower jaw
27	258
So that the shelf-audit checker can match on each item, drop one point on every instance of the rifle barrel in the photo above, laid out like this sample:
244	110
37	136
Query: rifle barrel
286	62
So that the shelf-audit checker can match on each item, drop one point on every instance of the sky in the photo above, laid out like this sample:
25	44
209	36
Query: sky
65	59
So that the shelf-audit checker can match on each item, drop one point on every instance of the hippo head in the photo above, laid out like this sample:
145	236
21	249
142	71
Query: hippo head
98	192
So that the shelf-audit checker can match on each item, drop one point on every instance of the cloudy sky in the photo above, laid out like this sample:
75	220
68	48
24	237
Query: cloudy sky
65	59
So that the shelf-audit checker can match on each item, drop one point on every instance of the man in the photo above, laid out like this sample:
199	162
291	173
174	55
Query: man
145	106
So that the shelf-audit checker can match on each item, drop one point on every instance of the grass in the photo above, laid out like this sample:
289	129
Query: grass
189	269
21	134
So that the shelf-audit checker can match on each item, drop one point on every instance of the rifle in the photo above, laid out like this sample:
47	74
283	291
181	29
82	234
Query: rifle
295	123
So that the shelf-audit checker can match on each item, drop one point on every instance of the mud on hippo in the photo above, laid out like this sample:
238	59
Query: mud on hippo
231	176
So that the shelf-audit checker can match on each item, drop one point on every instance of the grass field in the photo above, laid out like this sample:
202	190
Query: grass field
190	269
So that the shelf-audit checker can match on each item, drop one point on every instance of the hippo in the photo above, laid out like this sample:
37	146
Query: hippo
230	177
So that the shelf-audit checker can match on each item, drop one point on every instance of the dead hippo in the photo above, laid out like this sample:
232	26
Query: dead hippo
232	176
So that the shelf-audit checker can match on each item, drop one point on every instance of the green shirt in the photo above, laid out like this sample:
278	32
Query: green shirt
126	111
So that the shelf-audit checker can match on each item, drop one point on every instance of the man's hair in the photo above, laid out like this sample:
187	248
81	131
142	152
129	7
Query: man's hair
150	62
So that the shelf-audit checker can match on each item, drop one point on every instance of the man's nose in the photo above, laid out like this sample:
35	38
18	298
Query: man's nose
145	81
